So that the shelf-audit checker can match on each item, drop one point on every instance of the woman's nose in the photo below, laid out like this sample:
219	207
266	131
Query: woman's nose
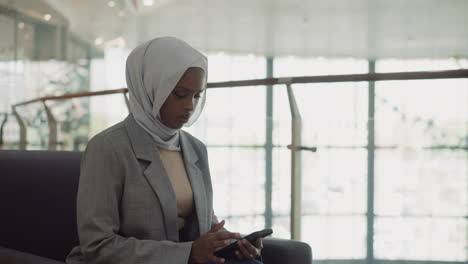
189	104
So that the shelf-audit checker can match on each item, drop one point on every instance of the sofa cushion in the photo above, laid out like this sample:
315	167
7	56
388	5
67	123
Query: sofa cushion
286	251
38	201
17	257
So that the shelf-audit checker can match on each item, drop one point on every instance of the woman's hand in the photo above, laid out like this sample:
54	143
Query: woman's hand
205	245
249	251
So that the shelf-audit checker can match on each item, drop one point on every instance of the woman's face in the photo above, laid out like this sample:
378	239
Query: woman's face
181	102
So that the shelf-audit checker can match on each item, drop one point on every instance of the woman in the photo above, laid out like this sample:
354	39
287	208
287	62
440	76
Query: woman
145	192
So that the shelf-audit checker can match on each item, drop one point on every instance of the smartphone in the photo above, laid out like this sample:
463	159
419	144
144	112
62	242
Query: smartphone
229	251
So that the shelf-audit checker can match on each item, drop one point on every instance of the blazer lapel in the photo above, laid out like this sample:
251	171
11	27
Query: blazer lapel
146	149
196	181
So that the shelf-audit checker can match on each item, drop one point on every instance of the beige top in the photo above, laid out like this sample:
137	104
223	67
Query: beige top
175	168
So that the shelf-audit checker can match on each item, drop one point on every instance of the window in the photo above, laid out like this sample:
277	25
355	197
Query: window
421	171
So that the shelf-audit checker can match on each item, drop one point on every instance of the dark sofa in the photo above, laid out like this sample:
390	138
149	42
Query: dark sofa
38	218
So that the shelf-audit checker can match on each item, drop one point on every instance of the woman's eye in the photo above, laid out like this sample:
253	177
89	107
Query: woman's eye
179	95
197	96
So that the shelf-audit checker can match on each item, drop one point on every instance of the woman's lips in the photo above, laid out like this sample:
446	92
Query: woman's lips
183	119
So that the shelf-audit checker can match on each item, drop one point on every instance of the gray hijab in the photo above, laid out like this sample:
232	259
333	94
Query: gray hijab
153	69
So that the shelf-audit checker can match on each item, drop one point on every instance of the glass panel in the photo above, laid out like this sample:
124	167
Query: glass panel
244	225
106	111
295	66
334	181
327	109
421	169
342	237
335	113
35	120
421	238
425	113
281	170
421	182
7	64
281	116
232	116
332	114
399	65
223	67
32	65
72	117
238	176
10	133
281	226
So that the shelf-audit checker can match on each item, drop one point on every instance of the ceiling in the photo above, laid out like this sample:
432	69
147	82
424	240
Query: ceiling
333	28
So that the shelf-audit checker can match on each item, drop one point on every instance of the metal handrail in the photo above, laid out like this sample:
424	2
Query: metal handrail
50	116
366	77
391	76
70	96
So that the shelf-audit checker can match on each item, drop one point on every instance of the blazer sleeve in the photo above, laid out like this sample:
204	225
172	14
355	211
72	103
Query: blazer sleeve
100	190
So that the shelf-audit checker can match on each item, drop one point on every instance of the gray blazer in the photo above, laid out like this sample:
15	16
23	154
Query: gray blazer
126	206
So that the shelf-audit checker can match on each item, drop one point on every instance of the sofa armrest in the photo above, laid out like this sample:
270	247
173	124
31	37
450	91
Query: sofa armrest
8	255
282	251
